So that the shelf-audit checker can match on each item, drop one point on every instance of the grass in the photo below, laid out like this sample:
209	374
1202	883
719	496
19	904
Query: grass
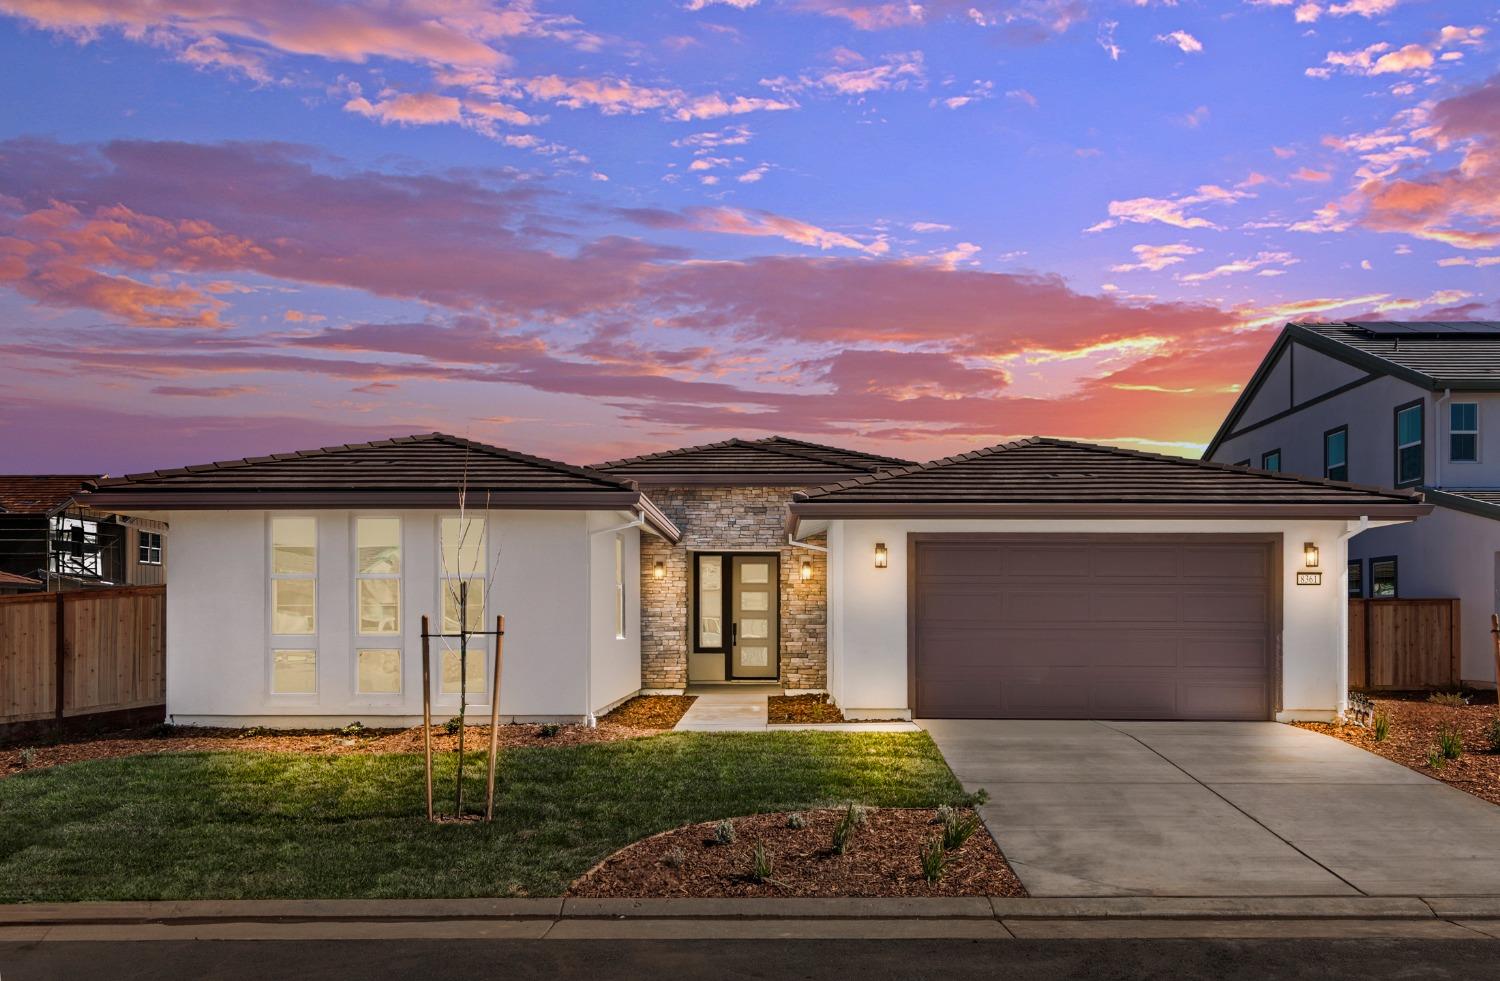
241	825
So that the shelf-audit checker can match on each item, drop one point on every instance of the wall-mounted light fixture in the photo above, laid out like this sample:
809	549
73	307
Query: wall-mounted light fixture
1310	554
882	557
807	570
659	570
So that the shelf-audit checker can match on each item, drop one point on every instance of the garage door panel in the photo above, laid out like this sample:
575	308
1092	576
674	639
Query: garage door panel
1128	630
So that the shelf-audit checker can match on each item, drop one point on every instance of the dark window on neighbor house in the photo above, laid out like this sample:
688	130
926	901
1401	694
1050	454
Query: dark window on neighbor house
1356	578
148	548
75	547
1271	460
1336	453
1463	432
1383	578
1409	462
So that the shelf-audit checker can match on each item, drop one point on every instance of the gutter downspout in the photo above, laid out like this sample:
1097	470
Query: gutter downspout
1343	539
588	662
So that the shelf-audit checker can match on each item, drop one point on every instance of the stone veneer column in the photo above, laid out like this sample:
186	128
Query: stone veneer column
729	518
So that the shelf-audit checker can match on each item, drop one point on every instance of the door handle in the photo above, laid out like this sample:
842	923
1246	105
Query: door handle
734	633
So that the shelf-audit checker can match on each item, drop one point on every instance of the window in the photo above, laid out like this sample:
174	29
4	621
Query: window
709	609
1356	578
463	560
1409	462
1270	460
377	575
1383	578
1336	453
148	547
1463	432
75	547
619	587
294	603
379	671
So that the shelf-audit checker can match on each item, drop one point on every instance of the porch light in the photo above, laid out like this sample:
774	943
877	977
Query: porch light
806	570
882	557
659	570
1310	555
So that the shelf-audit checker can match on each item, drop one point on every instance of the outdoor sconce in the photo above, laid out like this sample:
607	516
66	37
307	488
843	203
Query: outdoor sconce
806	570
882	557
1310	555
659	570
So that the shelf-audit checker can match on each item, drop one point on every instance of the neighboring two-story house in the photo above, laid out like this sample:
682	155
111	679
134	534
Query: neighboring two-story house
50	542
1405	405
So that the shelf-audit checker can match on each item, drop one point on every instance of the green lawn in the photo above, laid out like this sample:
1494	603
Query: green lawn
271	825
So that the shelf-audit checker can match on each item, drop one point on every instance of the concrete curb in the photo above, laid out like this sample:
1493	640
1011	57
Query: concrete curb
970	908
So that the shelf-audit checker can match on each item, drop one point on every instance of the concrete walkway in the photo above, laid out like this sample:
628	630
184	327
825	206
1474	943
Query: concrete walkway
743	708
1217	809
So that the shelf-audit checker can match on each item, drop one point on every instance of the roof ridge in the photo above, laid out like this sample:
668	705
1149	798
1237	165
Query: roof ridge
833	449
540	461
679	451
913	468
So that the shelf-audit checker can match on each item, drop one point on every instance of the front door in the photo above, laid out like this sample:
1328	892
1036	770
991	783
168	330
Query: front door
752	630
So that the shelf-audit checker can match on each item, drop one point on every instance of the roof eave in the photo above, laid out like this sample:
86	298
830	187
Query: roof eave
241	500
1459	502
734	479
1395	511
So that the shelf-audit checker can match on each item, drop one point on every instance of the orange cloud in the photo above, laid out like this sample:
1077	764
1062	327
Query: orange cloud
1168	211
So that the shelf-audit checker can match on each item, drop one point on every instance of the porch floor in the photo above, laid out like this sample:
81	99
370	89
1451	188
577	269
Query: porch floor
732	707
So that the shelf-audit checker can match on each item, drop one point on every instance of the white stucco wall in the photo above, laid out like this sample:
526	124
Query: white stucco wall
1447	554
616	661
544	566
868	607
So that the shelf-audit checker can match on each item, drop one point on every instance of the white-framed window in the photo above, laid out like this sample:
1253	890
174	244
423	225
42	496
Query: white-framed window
1463	432
463	558
378	671
148	547
377	576
619	587
294	605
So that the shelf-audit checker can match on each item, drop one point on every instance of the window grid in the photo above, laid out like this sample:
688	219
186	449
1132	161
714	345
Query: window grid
294	595
148	548
1463	432
1384	581
1336	453
1410	466
462	557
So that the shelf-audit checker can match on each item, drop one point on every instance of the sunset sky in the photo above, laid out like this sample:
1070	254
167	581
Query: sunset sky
586	230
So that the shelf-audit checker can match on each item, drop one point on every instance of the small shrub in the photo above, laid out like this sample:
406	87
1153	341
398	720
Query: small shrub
1382	727
1452	699
958	828
1450	742
28	756
724	832
796	821
160	730
674	858
548	730
1492	735
452	726
1435	759
843	832
978	797
761	865
355	728
1361	708
934	860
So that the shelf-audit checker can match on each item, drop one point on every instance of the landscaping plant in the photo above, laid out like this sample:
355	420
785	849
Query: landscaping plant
796	821
674	858
28	756
958	828
548	729
1452	699
1382	727
1435	759
1492	735
934	860
761	865
843	832
724	832
1450	742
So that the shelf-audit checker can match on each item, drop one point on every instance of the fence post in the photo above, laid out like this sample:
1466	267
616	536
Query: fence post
61	653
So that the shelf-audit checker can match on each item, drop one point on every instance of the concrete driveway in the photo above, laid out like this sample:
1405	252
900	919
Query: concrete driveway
1217	809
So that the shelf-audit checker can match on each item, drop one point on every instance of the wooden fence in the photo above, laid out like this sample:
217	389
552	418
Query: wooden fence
1404	644
64	655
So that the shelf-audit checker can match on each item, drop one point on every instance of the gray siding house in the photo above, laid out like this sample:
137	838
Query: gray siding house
1396	404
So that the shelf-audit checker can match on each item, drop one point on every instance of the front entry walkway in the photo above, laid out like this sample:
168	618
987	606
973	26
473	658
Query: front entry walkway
1217	809
743	708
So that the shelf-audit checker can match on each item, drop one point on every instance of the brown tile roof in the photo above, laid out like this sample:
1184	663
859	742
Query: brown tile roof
1045	476
772	459
39	493
426	470
11	579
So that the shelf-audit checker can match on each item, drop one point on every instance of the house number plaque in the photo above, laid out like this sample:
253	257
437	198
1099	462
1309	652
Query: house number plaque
1309	578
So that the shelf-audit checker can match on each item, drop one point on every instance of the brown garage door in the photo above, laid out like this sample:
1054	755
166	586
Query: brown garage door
1105	627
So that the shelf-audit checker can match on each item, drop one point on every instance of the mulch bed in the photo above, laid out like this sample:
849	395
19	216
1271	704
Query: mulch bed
1414	728
651	711
801	710
883	861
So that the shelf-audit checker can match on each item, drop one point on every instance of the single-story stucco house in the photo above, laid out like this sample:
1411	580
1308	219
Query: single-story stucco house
1037	579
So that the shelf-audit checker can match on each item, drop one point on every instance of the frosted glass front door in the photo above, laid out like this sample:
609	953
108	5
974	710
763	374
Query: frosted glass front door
753	612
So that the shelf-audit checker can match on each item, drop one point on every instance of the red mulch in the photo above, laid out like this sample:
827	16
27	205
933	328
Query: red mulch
651	711
1414	728
802	710
883	861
